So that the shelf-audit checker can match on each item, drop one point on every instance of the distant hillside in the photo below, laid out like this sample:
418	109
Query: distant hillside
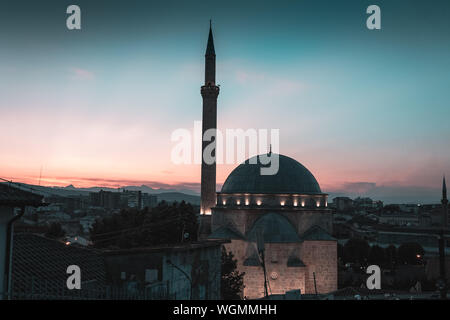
178	196
142	188
162	194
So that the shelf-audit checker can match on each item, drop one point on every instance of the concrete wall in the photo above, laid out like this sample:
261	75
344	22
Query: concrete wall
202	265
204	268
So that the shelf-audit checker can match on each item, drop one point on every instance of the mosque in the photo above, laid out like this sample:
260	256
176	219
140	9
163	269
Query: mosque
279	226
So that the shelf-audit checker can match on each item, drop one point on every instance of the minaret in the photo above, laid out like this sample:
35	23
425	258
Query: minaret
444	202
209	93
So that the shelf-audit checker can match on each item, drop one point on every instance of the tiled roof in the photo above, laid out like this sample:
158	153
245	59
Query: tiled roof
316	233
12	196
40	265
225	233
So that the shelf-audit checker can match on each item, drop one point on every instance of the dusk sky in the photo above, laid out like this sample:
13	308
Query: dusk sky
365	111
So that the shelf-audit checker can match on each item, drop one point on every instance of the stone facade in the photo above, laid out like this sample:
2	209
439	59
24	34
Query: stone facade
319	258
289	265
242	219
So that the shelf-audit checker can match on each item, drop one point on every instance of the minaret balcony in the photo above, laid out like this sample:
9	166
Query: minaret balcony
210	90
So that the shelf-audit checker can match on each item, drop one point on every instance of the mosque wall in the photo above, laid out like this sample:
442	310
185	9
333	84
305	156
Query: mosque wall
242	220
320	258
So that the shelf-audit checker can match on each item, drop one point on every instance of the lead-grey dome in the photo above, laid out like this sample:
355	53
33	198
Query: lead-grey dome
292	177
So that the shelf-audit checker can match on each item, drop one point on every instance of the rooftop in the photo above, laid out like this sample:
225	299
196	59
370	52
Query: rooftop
13	196
292	178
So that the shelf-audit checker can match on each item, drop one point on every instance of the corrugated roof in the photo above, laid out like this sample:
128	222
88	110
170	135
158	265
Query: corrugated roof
40	265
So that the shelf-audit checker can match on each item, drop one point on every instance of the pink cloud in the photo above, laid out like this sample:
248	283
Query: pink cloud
81	74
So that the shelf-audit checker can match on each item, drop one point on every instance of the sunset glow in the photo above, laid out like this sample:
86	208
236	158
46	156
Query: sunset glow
360	110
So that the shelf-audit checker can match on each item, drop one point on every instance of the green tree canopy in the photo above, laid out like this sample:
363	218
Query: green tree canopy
376	255
164	224
410	253
55	231
391	256
232	281
356	251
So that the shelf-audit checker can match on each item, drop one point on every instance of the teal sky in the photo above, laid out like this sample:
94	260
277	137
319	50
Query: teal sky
359	108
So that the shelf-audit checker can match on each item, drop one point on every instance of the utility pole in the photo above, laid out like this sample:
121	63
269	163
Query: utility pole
261	249
266	292
315	284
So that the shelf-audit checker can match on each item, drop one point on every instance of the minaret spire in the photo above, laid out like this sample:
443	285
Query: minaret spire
444	189
210	59
209	92
210	46
444	202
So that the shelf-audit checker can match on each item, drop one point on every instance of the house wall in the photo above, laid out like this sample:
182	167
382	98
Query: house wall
6	214
132	264
203	266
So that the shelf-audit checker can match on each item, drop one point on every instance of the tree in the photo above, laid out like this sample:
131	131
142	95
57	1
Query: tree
391	256
392	208
232	281
356	251
340	252
164	224
55	231
376	255
410	253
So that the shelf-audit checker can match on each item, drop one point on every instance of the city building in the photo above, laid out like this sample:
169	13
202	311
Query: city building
105	199
132	199
343	203
149	200
400	219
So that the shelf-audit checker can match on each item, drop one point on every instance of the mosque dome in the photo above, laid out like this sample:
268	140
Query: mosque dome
292	178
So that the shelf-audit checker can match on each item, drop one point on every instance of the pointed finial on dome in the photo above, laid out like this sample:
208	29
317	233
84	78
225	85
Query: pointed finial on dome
270	150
